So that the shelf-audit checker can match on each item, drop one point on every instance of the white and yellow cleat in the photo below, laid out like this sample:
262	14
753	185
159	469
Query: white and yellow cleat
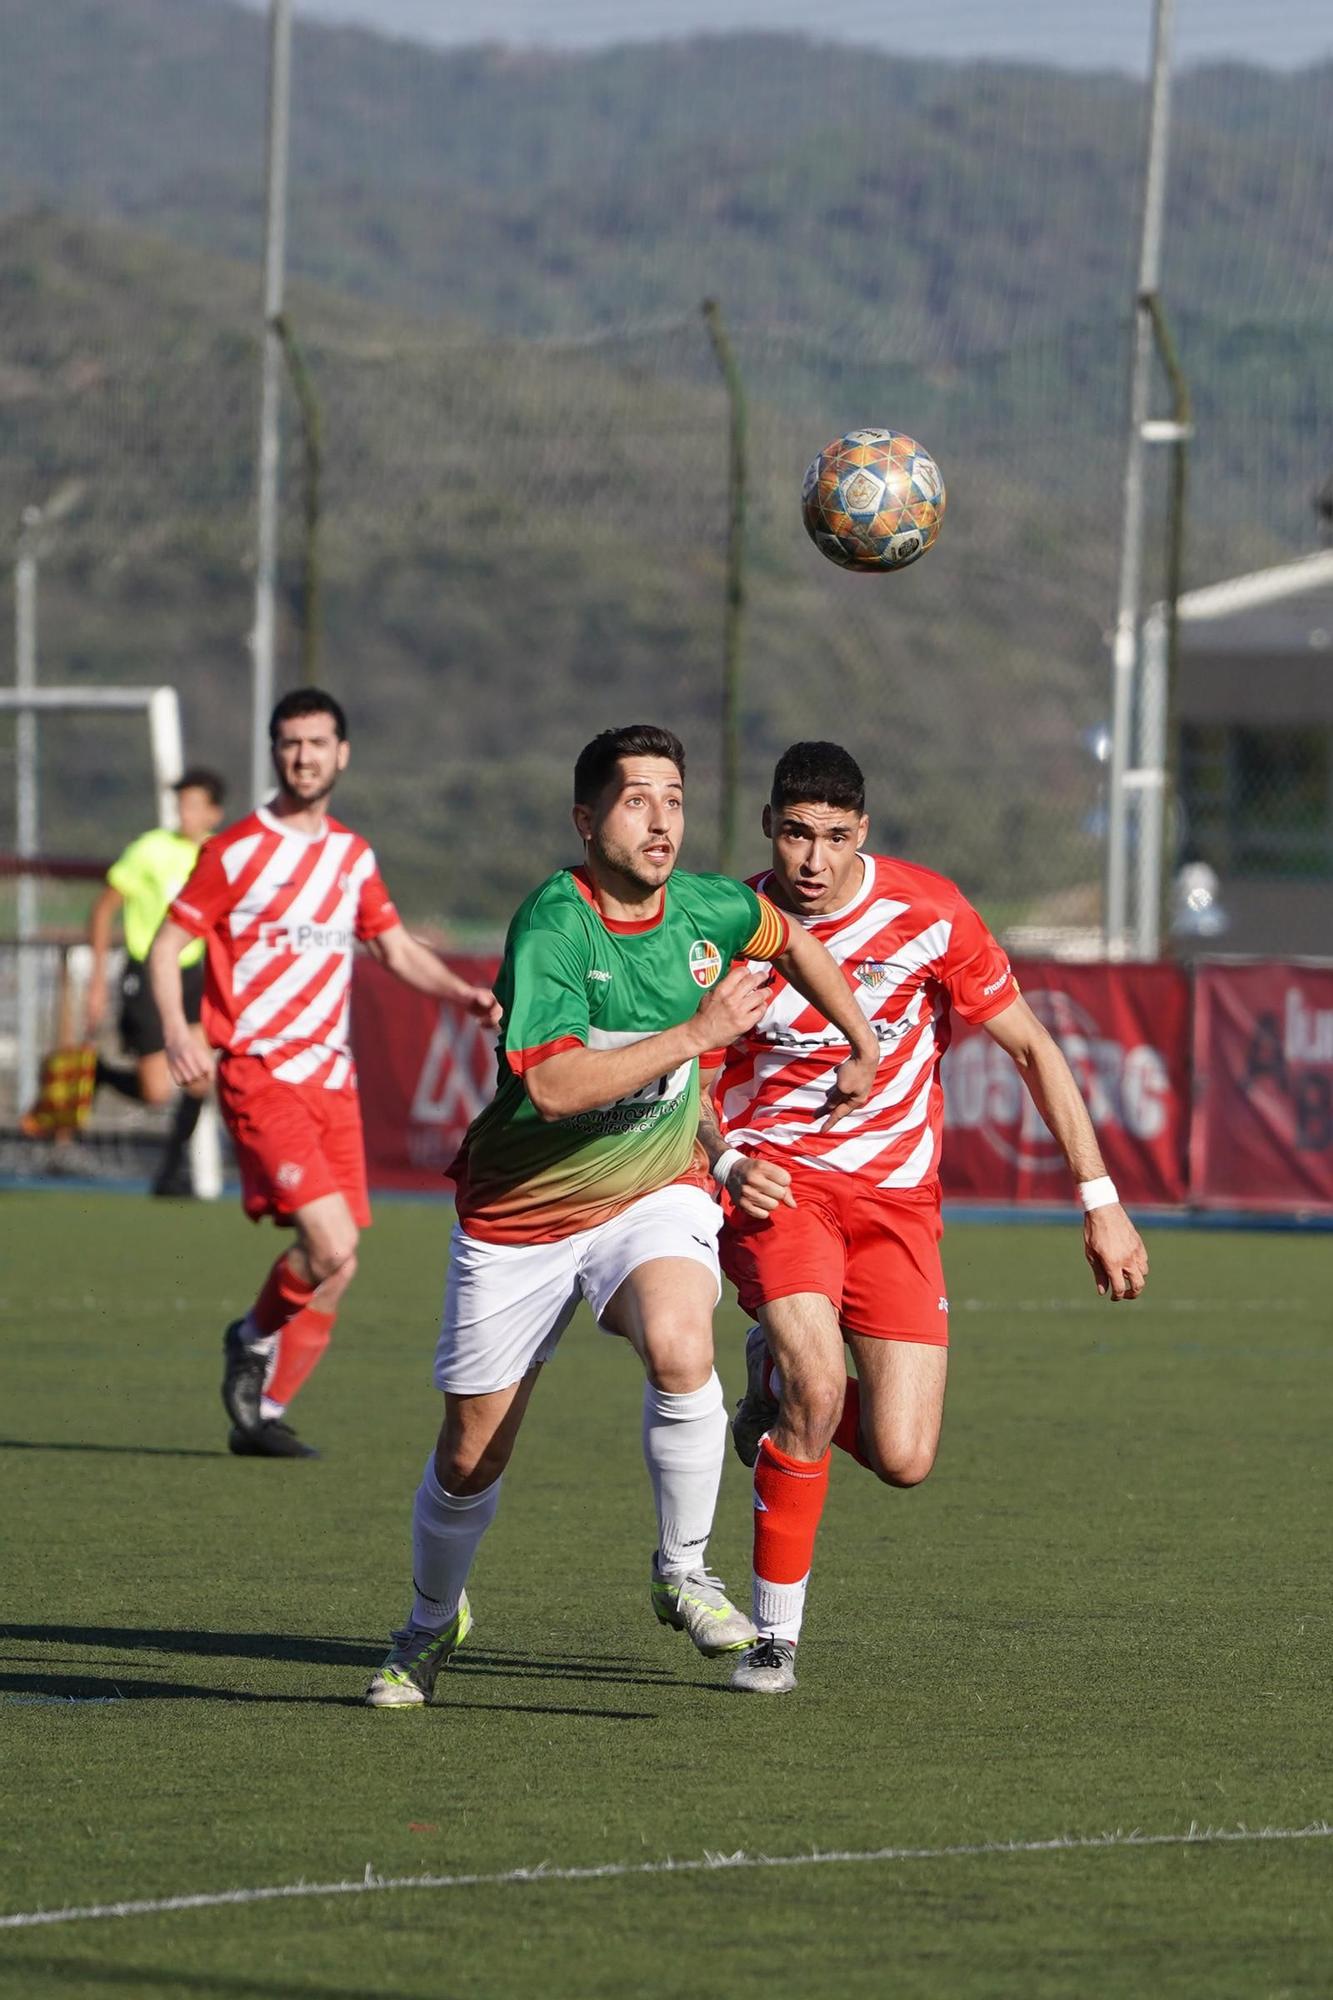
696	1603
407	1678
768	1668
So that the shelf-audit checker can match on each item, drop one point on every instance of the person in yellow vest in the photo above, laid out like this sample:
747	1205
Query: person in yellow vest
140	885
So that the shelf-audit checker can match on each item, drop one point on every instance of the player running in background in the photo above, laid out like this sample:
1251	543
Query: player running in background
833	1237
140	885
583	1179
281	898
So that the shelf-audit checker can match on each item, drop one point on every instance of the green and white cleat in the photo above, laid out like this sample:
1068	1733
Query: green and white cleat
756	1411
407	1678
768	1668
696	1603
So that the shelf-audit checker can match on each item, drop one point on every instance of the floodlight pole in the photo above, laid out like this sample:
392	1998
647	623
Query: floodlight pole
263	636
734	625
1124	656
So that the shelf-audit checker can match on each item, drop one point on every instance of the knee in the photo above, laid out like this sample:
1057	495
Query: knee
900	1464
156	1090
464	1469
811	1407
333	1267
681	1364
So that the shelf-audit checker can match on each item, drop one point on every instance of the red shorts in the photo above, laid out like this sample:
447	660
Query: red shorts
294	1142
875	1254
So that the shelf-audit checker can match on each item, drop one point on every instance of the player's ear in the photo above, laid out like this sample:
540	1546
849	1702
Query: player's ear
862	829
582	818
768	822
344	753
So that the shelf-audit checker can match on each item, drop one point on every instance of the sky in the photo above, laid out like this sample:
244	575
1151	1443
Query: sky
1081	34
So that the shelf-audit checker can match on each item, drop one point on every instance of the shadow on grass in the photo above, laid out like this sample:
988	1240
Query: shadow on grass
123	1450
312	1650
143	1978
56	1690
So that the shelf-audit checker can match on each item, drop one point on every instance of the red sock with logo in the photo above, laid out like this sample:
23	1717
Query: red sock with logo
847	1437
789	1496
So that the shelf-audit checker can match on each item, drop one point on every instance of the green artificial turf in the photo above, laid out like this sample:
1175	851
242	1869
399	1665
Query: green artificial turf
1106	1610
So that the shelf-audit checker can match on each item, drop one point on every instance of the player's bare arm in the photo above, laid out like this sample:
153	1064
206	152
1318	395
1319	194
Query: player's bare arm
756	1186
818	978
100	925
584	1079
417	965
1111	1243
189	1058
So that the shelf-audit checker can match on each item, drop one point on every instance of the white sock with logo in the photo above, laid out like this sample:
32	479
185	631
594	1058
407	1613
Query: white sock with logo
446	1532
684	1443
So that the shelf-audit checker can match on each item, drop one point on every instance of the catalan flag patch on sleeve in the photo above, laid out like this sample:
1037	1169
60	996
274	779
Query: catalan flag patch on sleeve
772	937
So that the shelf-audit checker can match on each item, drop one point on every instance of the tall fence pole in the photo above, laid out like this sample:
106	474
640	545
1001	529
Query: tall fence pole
734	620
263	636
1124	657
312	441
25	801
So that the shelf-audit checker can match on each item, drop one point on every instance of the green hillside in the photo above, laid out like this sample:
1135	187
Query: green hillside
497	269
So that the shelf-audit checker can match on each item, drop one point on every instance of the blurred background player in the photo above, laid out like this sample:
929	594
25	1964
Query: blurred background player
583	1179
833	1237
140	886
281	899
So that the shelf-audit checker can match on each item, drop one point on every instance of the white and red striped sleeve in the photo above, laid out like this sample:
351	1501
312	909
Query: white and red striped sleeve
207	895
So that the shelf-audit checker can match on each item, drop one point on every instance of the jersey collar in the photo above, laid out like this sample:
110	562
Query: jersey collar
288	832
621	926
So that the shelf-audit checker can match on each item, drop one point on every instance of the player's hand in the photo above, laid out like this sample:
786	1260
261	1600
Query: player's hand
188	1059
484	1007
1115	1251
731	1008
852	1087
757	1187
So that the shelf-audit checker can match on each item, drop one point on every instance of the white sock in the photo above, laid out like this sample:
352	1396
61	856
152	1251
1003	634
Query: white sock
269	1410
684	1442
778	1608
446	1531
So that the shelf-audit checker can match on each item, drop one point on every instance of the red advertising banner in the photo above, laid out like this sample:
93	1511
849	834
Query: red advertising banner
1263	1127
1125	1031
425	1069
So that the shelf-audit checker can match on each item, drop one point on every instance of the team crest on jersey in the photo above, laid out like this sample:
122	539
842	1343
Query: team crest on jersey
872	974
705	962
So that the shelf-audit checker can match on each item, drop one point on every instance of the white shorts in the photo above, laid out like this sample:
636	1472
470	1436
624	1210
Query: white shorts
507	1304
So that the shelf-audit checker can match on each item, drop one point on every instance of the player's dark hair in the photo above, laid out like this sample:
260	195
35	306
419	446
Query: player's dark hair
307	701
198	778
597	760
818	774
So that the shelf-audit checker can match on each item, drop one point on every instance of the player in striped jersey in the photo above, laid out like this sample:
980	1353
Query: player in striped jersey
832	1237
281	899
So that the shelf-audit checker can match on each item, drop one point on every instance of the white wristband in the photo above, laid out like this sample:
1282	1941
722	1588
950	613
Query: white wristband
1097	1194
724	1163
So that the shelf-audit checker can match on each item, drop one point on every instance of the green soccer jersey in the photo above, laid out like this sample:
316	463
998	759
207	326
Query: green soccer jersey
571	979
150	874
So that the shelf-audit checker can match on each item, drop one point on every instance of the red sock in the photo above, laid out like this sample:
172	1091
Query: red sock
847	1437
281	1298
300	1345
789	1496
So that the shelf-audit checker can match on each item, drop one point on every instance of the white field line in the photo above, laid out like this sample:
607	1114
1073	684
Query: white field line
372	1884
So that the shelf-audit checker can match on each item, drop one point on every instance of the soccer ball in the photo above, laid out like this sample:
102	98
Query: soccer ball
873	500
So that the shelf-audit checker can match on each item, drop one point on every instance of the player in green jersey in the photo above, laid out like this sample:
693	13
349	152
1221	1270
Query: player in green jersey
139	885
584	1179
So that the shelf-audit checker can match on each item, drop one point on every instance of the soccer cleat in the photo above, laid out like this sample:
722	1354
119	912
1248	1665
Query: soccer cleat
407	1678
768	1668
273	1439
756	1411
696	1603
244	1369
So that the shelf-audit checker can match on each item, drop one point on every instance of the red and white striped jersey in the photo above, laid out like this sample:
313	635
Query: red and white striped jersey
910	946
281	911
